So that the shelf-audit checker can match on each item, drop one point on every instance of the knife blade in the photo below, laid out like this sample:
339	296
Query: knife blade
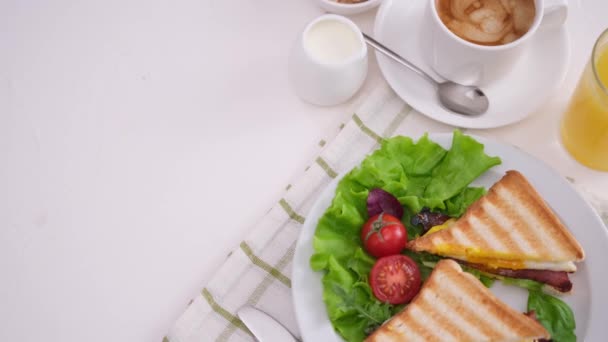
263	326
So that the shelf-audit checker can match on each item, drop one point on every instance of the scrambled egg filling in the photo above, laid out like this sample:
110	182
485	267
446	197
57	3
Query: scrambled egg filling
443	226
475	255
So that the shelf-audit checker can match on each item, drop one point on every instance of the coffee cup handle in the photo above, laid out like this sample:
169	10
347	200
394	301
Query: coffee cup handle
555	13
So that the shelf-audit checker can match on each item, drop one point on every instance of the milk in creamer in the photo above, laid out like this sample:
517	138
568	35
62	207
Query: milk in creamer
332	41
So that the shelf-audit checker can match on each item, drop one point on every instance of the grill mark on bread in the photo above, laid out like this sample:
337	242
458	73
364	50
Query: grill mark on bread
413	331
542	237
515	239
457	239
523	238
483	314
545	244
398	331
476	239
467	227
464	328
448	327
460	238
423	310
493	233
544	213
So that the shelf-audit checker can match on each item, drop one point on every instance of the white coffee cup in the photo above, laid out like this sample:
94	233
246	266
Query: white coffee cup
323	80
461	61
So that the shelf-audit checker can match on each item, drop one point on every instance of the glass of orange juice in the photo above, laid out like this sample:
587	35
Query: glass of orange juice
584	127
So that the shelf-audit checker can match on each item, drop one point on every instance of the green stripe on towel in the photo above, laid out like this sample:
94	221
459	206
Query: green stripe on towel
323	164
366	129
264	265
289	210
232	319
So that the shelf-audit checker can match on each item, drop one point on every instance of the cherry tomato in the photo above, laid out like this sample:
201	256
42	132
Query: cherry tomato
395	279
383	235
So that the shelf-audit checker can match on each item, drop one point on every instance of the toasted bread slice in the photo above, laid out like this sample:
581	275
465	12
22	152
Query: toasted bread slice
509	227
454	306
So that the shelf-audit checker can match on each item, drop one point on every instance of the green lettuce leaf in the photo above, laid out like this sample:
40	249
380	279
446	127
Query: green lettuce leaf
457	205
555	315
524	283
426	262
485	279
419	174
459	168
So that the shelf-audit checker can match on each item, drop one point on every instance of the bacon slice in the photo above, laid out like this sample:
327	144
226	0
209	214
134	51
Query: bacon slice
556	279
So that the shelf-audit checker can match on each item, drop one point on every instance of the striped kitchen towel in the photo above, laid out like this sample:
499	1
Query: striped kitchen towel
258	272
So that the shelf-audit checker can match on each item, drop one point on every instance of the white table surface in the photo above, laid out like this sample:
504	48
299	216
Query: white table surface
139	142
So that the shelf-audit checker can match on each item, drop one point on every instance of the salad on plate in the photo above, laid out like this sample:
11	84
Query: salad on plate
402	191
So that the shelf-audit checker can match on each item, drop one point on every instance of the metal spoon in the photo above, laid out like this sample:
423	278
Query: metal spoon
467	100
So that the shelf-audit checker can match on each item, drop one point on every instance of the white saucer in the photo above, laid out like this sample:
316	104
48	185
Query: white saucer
401	25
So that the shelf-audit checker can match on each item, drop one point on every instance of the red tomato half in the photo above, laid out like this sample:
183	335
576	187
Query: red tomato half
395	279
383	235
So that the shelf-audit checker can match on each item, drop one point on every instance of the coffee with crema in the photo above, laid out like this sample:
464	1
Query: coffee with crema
487	22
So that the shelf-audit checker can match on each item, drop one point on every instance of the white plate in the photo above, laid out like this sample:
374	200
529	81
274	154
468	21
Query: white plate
401	25
588	301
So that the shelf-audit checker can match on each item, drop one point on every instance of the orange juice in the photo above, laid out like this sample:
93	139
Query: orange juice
585	123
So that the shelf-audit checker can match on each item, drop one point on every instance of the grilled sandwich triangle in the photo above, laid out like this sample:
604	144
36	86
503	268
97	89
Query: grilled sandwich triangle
511	227
454	306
